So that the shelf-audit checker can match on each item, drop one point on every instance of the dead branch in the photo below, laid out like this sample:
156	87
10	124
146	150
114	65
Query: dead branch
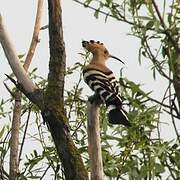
94	141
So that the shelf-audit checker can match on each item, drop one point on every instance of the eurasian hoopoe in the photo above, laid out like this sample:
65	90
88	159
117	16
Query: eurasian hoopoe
102	81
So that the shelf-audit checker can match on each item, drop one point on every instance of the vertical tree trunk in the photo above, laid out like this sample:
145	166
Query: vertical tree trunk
54	114
14	141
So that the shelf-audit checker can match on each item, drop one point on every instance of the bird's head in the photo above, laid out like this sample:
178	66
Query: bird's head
98	49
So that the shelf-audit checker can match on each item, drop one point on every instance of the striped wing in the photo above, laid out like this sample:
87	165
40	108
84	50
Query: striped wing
104	84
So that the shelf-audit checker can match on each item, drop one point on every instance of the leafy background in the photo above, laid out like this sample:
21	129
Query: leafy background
136	153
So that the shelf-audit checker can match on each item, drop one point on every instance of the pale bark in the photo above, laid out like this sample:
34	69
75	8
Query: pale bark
94	142
14	141
13	59
35	38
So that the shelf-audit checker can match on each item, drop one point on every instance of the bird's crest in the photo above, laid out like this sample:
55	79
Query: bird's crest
96	47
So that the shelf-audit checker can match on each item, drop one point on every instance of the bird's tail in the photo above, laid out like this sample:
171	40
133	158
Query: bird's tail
117	116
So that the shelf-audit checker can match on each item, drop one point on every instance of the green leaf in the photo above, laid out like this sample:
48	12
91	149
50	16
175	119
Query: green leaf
150	8
87	2
150	24
20	56
96	13
2	150
2	132
159	168
143	171
34	70
83	149
109	1
169	18
157	25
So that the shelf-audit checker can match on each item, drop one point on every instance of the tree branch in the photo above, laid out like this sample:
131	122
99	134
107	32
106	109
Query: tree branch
24	136
13	59
122	18
175	45
14	159
14	141
37	96
94	141
35	38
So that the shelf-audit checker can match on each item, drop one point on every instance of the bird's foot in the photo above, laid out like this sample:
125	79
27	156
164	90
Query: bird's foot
95	99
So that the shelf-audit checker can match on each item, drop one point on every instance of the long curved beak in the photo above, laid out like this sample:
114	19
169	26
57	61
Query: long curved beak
114	57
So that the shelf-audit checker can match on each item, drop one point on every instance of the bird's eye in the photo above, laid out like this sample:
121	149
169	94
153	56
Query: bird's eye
92	41
101	43
98	42
105	51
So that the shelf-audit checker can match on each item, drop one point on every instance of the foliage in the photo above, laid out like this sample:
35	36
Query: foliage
135	153
156	25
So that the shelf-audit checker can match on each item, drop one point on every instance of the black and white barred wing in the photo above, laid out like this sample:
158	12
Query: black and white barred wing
105	85
102	83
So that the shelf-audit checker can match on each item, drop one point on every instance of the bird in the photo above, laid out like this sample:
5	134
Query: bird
103	82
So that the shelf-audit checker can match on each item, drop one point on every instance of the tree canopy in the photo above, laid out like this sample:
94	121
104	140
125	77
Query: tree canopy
135	153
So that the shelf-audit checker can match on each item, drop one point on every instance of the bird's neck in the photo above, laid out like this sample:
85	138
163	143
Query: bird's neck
98	60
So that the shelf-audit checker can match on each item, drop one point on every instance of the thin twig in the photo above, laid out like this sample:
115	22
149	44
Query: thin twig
163	99
11	79
106	14
175	45
8	89
176	108
170	169
44	173
152	99
4	142
24	135
75	92
155	62
173	122
125	155
3	172
158	102
170	113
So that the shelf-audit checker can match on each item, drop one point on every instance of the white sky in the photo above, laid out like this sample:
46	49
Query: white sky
79	24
